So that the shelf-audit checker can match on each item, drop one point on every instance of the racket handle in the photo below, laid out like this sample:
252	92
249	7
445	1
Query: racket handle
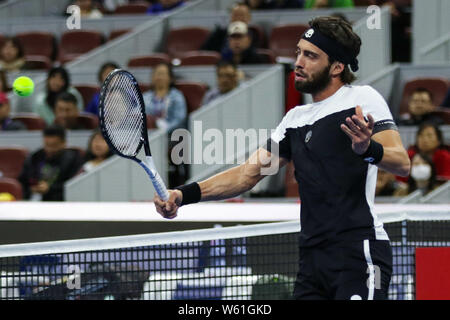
158	183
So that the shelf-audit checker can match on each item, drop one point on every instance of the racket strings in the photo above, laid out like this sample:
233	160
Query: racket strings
123	117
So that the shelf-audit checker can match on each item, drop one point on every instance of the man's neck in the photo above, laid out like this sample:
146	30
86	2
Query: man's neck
331	89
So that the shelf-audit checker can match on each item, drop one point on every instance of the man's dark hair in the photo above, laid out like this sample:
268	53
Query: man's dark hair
423	90
342	32
67	97
55	131
224	63
105	66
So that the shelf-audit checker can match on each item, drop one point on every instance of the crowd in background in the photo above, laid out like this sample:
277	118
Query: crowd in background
60	103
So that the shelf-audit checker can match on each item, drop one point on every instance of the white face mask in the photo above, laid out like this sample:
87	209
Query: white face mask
421	172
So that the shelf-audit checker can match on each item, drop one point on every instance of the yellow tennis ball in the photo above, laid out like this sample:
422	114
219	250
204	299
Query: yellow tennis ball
23	86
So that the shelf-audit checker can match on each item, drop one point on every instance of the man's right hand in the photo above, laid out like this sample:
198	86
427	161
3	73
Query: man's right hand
168	209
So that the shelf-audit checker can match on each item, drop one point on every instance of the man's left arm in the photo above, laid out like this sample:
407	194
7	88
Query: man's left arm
385	147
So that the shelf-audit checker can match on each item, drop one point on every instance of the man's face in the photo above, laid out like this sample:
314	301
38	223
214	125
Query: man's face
53	145
312	68
227	79
65	113
240	13
239	43
420	103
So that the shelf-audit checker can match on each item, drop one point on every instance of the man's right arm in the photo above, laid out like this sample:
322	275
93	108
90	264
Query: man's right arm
227	184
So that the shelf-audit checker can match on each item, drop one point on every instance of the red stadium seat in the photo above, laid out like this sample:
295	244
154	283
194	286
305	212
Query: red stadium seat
267	55
117	33
137	7
77	42
284	38
196	58
12	186
38	44
151	122
37	63
11	161
193	92
87	121
31	120
149	60
144	87
437	86
87	91
181	40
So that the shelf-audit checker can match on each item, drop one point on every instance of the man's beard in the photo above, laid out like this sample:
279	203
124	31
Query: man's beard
319	82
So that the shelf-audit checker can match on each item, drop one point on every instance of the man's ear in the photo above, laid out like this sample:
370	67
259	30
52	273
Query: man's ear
336	69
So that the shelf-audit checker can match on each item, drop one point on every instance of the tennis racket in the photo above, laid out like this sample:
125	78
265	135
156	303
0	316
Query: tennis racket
123	123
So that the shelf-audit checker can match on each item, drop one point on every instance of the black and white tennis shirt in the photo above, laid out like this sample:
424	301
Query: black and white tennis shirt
336	186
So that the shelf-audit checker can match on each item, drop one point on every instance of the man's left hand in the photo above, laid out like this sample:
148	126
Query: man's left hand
358	130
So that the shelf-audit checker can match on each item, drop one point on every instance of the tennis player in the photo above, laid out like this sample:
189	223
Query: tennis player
336	144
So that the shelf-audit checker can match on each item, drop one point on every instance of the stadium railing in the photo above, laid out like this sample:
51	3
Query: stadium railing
429	42
239	262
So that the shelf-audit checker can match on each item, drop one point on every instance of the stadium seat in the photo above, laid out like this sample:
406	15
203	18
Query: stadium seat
77	42
284	38
437	86
117	33
193	92
38	44
443	113
149	60
12	186
144	87
137	7
87	121
151	122
261	41
11	161
181	40
196	58
87	91
31	120
37	63
267	55
2	40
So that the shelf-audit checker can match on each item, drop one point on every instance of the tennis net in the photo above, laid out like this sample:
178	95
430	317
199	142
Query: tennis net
239	263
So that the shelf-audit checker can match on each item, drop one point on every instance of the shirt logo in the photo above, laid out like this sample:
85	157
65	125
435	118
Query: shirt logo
309	33
369	159
308	136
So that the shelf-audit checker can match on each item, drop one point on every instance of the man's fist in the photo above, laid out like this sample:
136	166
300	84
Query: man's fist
168	209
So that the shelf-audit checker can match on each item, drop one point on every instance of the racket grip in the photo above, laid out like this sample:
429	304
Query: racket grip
157	182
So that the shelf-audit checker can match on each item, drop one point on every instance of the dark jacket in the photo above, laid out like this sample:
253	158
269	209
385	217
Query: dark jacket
11	125
55	172
249	56
218	39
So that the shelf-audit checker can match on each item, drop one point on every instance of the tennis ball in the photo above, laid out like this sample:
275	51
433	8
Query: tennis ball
23	86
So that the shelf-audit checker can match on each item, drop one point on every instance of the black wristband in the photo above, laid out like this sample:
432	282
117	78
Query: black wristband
374	152
191	193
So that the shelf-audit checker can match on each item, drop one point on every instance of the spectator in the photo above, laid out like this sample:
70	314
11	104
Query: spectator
105	69
3	82
88	10
12	55
218	39
58	81
446	102
66	111
6	124
46	170
429	142
164	5
388	186
317	4
423	174
97	151
227	80
275	4
164	103
239	49
420	107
